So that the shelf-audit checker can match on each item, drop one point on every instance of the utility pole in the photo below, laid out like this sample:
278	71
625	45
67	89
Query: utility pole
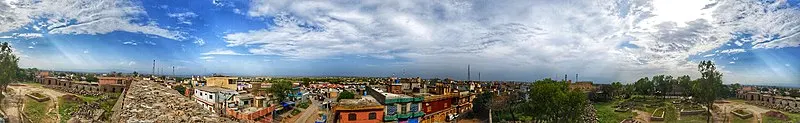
154	68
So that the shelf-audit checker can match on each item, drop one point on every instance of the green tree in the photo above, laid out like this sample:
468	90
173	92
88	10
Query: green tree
663	84
685	84
553	101
481	104
616	88
346	95
280	90
8	66
644	86
180	89
92	79
708	85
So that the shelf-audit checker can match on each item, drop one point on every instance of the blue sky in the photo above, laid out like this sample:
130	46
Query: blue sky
752	41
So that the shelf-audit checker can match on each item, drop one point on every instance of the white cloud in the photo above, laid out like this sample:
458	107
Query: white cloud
206	57
30	47
80	17
150	43
131	63
733	51
85	51
553	36
184	18
222	52
29	35
788	65
199	41
709	55
130	43
732	62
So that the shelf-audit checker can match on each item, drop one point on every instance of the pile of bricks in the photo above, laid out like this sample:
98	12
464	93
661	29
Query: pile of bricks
147	101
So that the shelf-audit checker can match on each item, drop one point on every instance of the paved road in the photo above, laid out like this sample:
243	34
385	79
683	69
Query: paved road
311	111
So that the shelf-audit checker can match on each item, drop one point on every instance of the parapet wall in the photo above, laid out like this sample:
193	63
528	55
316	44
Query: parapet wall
147	101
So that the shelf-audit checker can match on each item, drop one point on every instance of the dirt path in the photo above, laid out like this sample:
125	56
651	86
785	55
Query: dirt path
32	88
306	115
11	105
642	116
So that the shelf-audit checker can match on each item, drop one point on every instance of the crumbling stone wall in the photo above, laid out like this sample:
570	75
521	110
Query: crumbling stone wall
147	101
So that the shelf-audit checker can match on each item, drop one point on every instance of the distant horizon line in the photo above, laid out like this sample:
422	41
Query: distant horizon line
776	84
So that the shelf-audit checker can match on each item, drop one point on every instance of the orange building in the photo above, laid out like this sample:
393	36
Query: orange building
364	110
114	80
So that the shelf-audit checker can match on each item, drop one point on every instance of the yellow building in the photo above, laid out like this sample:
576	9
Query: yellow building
222	81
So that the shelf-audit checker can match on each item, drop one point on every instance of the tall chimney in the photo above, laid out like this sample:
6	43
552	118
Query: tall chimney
154	68
468	74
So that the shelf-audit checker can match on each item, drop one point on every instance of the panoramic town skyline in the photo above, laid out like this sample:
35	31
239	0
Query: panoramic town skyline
752	42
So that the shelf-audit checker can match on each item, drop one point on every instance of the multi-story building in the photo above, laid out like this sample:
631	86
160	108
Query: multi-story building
213	98
223	82
399	107
364	110
114	84
250	108
438	108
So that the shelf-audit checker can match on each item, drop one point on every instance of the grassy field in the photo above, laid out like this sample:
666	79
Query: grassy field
37	111
736	119
67	105
606	114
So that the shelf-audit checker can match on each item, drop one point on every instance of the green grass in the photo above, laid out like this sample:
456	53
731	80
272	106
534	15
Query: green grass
65	107
693	119
304	105
295	112
606	114
35	110
736	119
670	113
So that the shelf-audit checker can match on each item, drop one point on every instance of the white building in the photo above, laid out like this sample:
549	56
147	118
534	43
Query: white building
213	98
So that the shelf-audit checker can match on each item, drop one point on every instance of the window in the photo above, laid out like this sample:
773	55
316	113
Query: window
351	116
230	81
403	108
210	97
414	107
373	115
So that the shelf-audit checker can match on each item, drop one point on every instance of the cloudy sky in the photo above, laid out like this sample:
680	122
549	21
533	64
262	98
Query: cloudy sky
752	42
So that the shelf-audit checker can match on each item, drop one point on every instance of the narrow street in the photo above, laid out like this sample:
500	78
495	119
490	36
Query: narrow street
308	116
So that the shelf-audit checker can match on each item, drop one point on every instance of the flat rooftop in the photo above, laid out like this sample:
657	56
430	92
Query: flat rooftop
213	89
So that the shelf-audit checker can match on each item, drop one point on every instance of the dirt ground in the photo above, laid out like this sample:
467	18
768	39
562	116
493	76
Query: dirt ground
642	116
11	108
734	105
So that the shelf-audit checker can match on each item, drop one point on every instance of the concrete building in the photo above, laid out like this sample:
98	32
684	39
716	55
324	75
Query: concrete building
438	108
213	98
250	108
399	107
364	110
223	82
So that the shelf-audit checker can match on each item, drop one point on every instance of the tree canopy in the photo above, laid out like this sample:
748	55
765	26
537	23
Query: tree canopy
280	90
8	66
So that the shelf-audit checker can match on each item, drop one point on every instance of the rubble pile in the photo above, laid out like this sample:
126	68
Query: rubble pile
73	90
775	106
86	111
147	101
